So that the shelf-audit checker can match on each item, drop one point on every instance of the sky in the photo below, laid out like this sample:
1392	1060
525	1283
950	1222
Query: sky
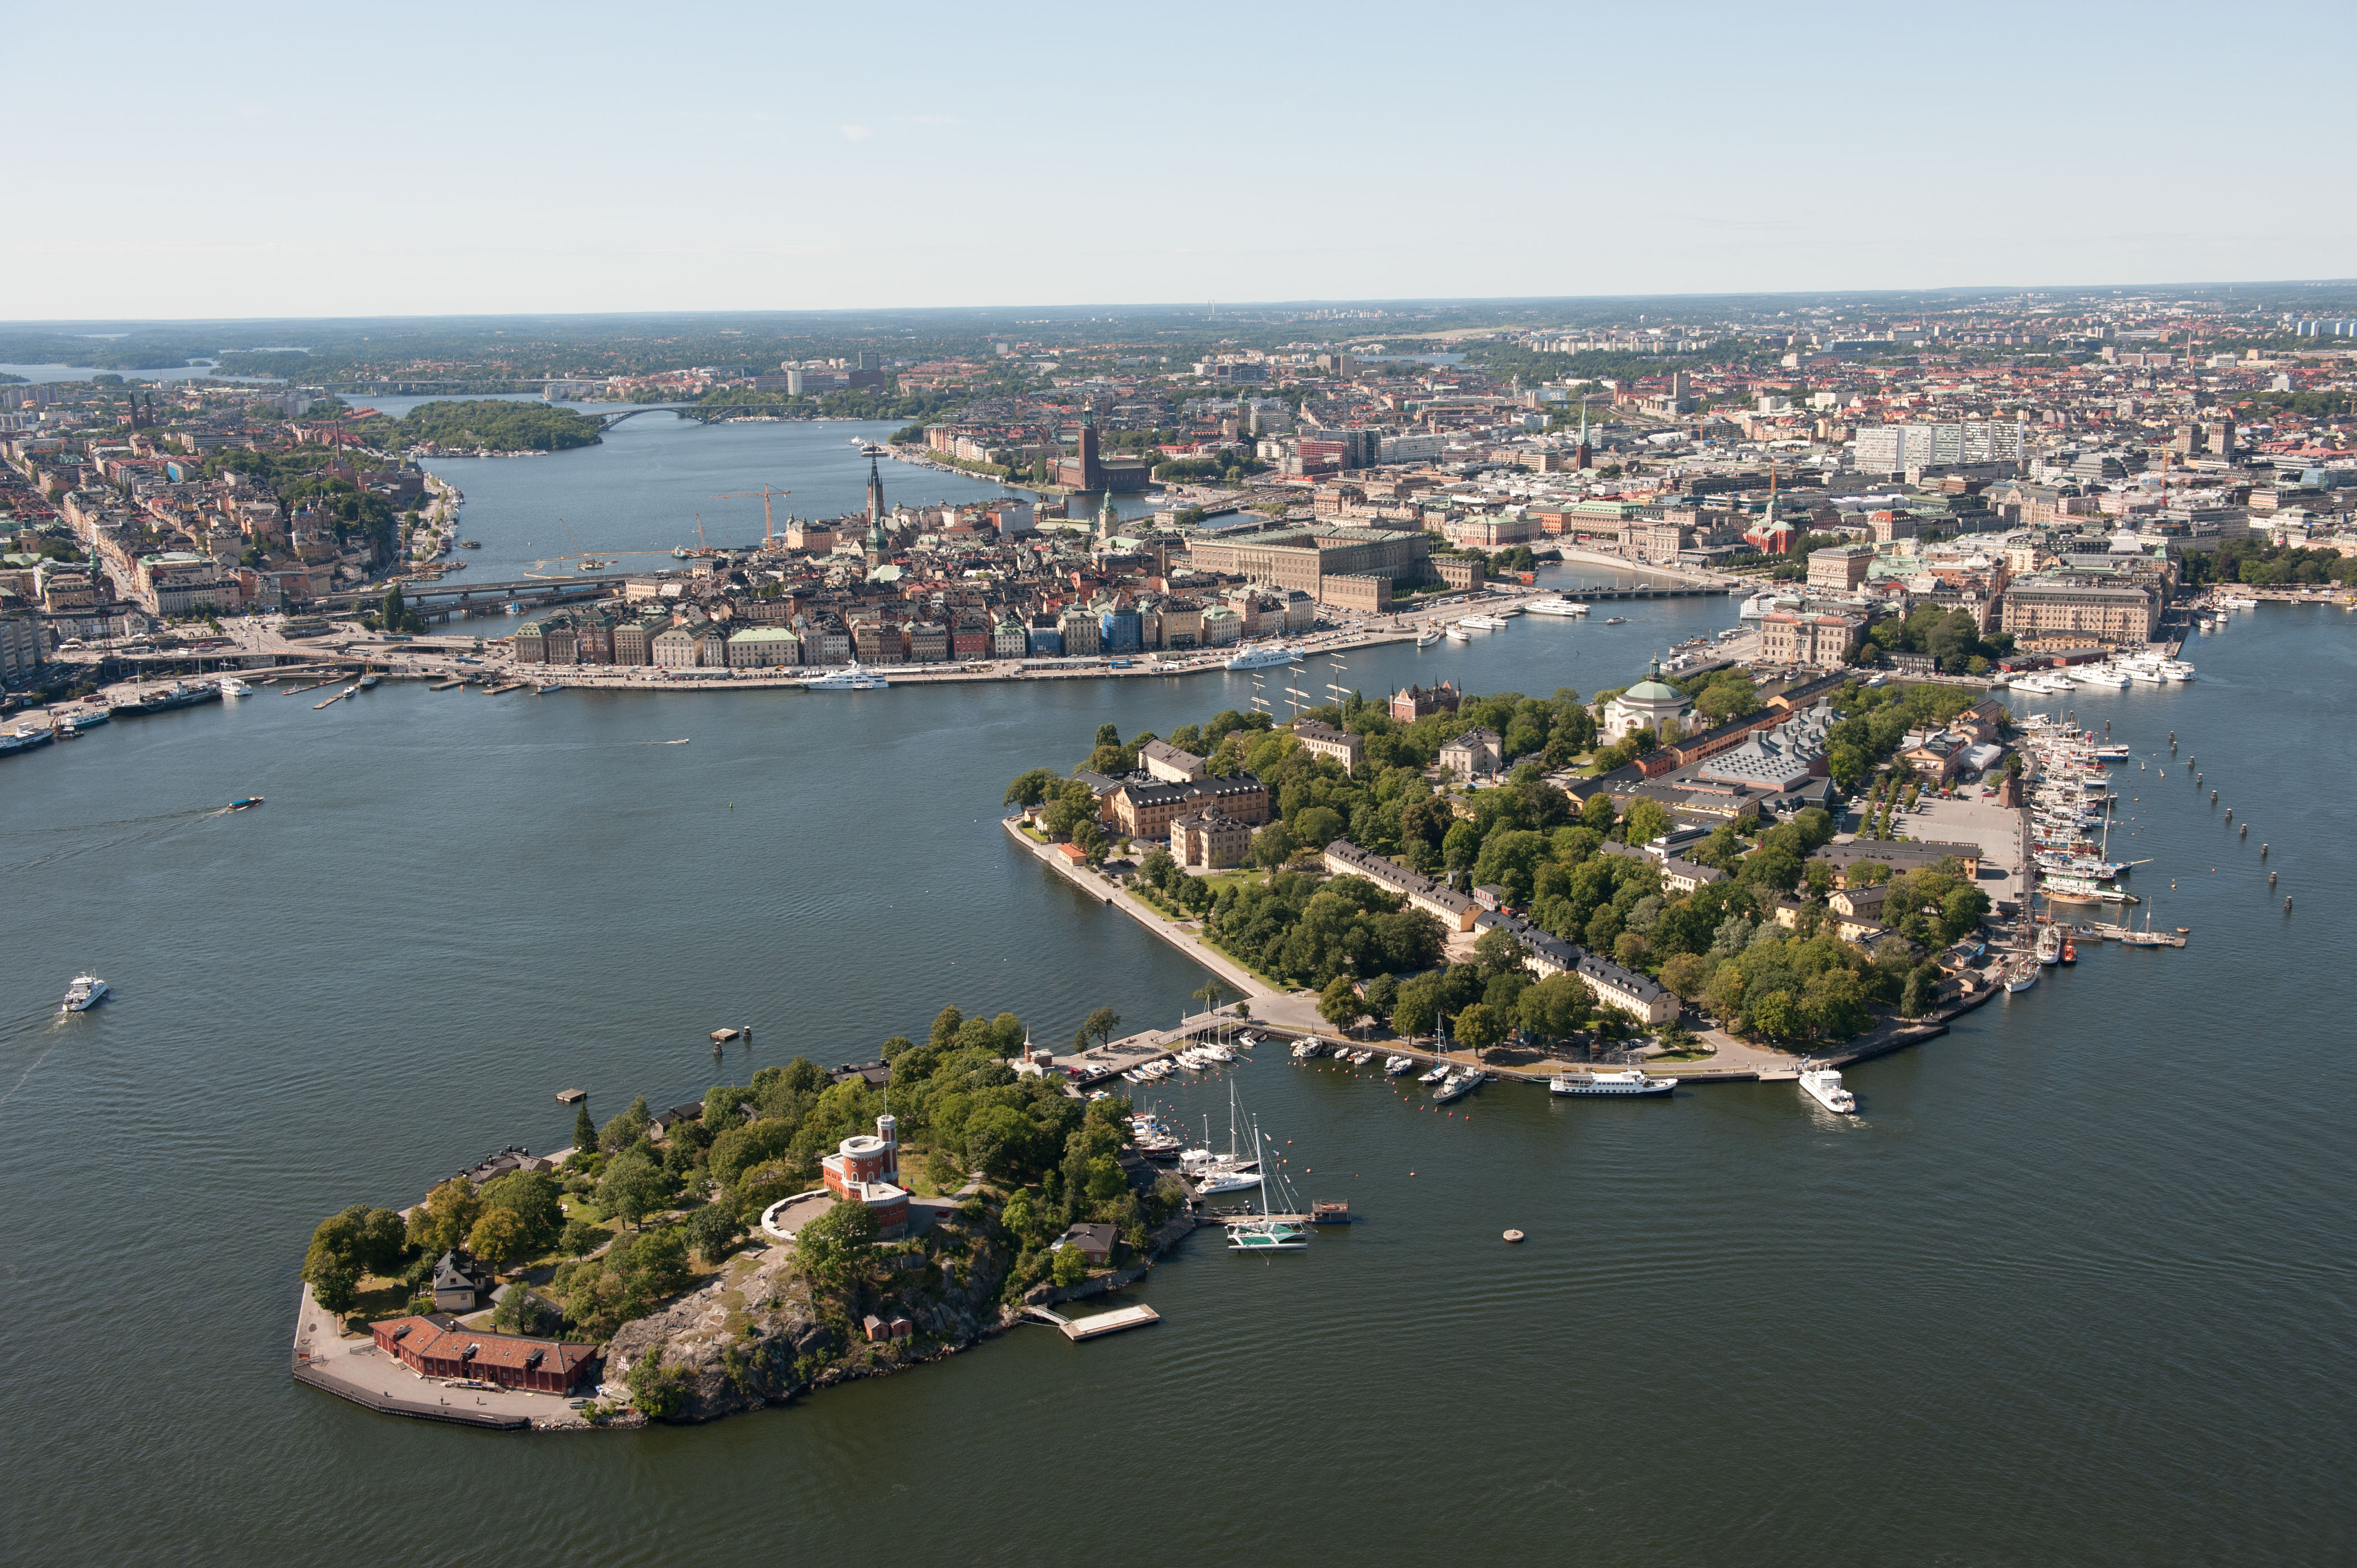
244	160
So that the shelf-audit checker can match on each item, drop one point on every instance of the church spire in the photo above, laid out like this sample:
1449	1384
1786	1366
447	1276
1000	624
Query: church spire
876	540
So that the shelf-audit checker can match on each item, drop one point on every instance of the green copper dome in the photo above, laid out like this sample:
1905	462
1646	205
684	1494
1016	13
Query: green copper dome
1653	688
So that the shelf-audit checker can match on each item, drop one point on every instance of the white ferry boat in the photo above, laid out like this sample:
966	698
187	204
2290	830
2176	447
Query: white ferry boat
1481	622
86	993
1823	1084
852	678
1629	1082
231	686
1555	606
1459	634
1428	637
1263	657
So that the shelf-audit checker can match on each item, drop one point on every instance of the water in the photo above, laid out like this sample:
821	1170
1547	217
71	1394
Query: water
2074	1287
640	493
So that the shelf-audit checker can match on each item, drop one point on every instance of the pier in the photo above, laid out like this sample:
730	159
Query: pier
1102	1323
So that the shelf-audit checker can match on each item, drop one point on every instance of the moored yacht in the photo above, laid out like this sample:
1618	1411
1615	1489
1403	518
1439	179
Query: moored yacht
1823	1084
1263	657
851	678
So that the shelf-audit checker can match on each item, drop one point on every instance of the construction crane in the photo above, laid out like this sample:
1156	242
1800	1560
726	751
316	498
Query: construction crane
764	495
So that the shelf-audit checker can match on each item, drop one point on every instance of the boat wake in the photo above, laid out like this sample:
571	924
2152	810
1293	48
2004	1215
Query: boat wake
141	829
55	1031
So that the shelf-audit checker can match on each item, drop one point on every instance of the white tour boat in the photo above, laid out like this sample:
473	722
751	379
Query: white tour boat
1555	606
1625	1083
1263	657
1823	1084
86	993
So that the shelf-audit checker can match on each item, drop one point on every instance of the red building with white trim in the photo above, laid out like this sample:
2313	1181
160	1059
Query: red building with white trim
438	1346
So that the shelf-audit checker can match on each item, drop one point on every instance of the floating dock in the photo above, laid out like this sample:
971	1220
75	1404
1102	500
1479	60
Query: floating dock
1112	1322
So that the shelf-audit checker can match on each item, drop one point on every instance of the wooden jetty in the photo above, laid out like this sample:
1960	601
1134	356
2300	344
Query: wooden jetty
330	703
504	690
571	1096
1103	1323
298	691
446	686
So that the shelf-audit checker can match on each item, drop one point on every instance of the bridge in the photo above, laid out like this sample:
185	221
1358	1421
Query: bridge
447	601
607	421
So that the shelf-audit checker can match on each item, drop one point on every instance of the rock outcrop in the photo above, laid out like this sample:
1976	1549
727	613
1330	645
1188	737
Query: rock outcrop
757	1334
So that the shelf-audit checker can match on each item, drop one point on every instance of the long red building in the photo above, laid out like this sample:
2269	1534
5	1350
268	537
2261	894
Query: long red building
438	1346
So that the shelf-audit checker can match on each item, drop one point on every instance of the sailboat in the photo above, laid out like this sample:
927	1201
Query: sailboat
1265	1233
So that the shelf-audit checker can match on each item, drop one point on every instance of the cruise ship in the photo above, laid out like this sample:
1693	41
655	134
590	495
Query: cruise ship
852	678
1263	657
1555	606
1626	1083
1823	1084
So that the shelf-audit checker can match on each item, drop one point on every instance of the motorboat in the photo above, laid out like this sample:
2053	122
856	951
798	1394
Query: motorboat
1394	1066
1823	1084
1555	606
1213	1182
1459	634
1628	1083
1428	637
1440	1070
231	686
548	686
1303	1050
370	682
1455	1087
851	678
1616	620
86	991
351	690
246	804
1266	656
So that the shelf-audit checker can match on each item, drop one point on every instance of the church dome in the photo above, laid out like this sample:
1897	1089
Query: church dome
1653	688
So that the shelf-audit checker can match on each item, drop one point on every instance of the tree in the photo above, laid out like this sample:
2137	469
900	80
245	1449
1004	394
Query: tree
1031	789
579	1238
1920	993
442	1220
336	1283
1100	1024
498	1238
1478	1028
1647	821
1499	951
1108	735
1417	1009
1599	812
633	1184
1554	1008
1209	994
1090	840
1071	1266
713	1231
535	1199
834	1246
1681	975
585	1131
1339	1005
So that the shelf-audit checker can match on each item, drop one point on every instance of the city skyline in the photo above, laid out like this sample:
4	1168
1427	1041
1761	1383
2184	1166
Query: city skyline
607	167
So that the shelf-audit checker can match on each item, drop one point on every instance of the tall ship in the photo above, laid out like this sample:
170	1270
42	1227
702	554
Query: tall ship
1823	1084
1629	1083
1263	657
1555	604
852	678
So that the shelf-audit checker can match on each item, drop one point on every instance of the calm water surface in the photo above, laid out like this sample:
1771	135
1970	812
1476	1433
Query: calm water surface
2074	1288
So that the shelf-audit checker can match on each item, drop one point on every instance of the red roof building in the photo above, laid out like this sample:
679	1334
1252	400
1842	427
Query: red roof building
437	1345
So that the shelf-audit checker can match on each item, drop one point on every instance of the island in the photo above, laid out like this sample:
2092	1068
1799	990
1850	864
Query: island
779	1236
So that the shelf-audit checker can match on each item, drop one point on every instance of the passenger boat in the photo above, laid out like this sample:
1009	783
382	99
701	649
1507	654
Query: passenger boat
1459	634
1629	1083
231	686
1428	637
1555	606
1481	622
25	737
86	991
1823	1084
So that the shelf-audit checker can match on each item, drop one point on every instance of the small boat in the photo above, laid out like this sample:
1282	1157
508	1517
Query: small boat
548	686
1823	1084
2069	952
1303	1050
1218	1181
1394	1066
1616	620
370	682
352	690
86	991
1440	1070
246	804
1628	1083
